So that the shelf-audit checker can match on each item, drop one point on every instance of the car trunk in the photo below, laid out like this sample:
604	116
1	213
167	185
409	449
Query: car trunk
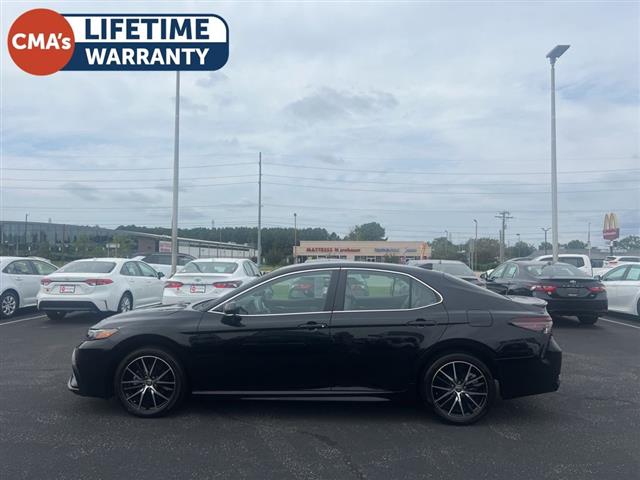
570	287
69	284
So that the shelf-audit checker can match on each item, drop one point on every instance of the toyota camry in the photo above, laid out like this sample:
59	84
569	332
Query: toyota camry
417	332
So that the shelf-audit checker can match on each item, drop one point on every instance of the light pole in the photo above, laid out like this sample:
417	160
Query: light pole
176	163
545	230
295	236
446	243
475	242
26	243
259	209
518	245
553	55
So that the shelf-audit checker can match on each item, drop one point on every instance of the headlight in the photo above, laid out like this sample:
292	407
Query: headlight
101	333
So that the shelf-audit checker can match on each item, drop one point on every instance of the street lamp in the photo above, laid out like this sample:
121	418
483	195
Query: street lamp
475	241
553	55
518	244
295	236
545	230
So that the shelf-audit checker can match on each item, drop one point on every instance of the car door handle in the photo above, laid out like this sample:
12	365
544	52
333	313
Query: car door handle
312	325
421	322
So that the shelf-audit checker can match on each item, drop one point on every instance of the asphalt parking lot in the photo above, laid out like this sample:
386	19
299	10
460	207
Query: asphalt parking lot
588	429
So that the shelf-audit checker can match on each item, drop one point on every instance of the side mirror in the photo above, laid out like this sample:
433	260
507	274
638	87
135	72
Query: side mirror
230	309
160	275
598	278
483	275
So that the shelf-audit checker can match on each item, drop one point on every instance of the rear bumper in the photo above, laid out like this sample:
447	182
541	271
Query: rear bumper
71	306
530	376
577	306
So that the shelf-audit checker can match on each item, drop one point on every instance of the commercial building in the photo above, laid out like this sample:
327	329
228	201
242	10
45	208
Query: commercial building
39	238
366	251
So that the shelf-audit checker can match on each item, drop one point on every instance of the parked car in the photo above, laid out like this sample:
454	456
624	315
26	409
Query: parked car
20	281
161	262
583	262
566	289
452	267
208	278
417	332
623	288
614	261
100	285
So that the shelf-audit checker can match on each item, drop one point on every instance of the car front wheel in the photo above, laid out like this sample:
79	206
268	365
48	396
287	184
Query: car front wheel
149	382
8	304
459	387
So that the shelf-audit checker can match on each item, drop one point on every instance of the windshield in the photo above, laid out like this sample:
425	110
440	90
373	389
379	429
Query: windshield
88	267
457	269
560	270
210	267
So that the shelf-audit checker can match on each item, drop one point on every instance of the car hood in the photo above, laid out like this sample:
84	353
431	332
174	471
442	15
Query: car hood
143	315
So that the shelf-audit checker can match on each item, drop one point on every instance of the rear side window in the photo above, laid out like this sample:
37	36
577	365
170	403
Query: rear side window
633	274
43	268
510	271
247	270
88	267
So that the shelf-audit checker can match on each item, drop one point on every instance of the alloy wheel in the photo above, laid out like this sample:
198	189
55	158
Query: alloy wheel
459	389
148	384
9	305
125	304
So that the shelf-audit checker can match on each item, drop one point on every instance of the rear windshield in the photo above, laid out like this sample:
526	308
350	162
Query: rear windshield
88	267
560	270
210	267
456	269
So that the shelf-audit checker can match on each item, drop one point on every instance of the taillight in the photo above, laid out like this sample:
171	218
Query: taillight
597	289
98	281
173	284
536	324
227	284
45	281
544	288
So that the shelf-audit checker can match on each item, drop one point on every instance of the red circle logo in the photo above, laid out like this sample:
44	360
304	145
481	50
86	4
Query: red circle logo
41	41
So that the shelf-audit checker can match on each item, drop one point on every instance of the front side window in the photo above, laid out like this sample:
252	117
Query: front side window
43	268
510	271
366	290
147	271
615	274
299	293
497	273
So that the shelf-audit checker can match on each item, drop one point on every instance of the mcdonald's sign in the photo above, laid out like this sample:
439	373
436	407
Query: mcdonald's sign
611	229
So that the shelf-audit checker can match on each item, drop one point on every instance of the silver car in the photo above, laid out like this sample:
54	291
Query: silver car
208	278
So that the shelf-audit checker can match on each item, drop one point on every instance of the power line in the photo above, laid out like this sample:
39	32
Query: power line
113	169
160	187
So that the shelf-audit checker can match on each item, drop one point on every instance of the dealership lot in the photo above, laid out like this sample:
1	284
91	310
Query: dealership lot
588	429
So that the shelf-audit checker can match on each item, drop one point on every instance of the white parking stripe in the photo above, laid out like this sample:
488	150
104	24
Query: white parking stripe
22	320
620	323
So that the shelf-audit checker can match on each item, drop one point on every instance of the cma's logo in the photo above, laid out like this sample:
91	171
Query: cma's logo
611	228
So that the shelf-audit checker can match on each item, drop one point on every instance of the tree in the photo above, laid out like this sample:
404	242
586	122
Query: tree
545	246
520	249
576	245
487	252
630	243
367	231
443	249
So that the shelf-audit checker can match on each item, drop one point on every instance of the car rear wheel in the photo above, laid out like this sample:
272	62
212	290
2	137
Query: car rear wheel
149	382
588	319
459	387
8	304
125	304
56	315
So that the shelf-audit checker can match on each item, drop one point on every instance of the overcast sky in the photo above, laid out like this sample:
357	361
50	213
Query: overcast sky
420	116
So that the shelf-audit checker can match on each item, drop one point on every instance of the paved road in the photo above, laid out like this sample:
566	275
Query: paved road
589	429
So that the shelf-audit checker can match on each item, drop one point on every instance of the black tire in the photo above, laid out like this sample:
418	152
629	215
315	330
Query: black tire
588	319
638	309
463	396
9	304
126	303
56	315
149	382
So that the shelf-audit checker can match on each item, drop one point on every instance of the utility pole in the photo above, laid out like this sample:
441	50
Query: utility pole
545	230
446	243
26	241
176	163
475	242
589	240
295	236
504	215
259	209
518	249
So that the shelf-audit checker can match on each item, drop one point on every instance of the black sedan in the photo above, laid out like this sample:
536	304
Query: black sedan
566	289
416	332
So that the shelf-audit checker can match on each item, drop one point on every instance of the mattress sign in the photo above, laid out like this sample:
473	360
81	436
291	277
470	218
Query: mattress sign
42	42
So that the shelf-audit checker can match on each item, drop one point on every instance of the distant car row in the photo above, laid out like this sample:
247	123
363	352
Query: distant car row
113	285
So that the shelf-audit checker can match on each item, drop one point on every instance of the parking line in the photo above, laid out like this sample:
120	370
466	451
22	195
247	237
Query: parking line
620	323
22	320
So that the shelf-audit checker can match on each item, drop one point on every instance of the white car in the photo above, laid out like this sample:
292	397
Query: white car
208	278
583	262
161	262
100	285
623	288
614	261
20	281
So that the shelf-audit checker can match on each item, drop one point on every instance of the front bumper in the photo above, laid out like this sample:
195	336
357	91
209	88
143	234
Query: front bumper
531	376
91	373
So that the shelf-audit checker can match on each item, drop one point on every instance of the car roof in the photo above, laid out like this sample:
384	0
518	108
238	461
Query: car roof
221	259
425	262
391	267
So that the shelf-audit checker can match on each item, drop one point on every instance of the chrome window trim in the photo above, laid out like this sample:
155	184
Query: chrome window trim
212	310
394	309
438	294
